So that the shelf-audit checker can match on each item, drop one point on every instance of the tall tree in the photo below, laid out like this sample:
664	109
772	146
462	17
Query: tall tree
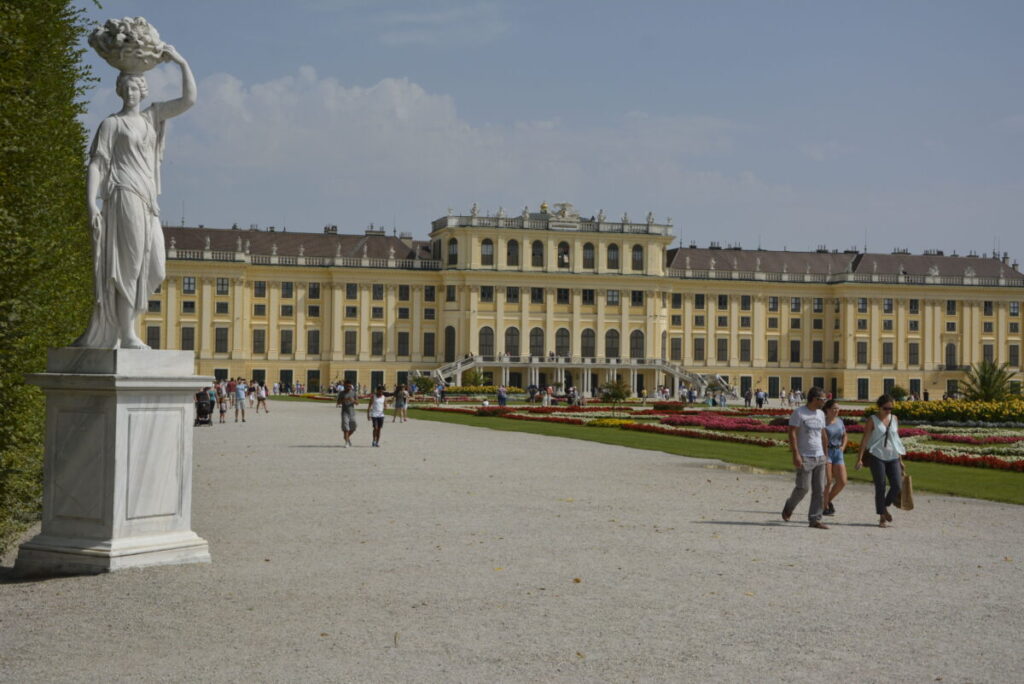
45	261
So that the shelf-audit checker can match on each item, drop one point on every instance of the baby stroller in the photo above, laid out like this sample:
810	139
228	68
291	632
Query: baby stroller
204	409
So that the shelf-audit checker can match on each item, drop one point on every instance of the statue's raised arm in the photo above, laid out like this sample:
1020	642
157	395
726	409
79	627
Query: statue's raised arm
124	181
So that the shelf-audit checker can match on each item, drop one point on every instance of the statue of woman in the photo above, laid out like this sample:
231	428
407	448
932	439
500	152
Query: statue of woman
128	243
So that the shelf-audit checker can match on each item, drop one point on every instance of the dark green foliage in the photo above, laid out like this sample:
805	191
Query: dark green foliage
988	381
45	258
615	391
898	392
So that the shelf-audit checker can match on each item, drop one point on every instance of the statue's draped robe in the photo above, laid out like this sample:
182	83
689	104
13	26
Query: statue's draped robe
129	252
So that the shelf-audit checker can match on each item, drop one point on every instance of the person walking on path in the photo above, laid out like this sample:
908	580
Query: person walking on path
240	389
375	413
261	397
884	450
347	399
835	467
401	402
809	443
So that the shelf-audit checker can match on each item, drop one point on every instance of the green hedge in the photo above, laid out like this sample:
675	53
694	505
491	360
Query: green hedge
45	248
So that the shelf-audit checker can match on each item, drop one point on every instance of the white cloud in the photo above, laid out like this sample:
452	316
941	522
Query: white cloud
321	152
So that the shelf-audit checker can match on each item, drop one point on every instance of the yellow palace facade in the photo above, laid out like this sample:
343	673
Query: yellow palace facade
553	298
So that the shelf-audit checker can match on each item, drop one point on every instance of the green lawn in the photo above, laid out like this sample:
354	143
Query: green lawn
978	483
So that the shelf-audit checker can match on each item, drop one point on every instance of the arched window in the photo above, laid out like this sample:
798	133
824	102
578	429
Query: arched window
435	250
563	255
486	342
613	257
636	344
487	252
453	252
588	343
588	255
512	253
638	258
951	360
562	342
449	344
611	344
537	342
537	254
512	341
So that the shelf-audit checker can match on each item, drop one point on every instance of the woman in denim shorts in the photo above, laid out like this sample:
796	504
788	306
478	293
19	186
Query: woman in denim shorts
835	467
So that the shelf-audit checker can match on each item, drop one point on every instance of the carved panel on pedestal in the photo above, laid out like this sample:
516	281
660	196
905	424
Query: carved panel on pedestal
78	469
154	462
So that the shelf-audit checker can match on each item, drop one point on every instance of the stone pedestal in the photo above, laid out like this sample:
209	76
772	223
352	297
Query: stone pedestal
117	481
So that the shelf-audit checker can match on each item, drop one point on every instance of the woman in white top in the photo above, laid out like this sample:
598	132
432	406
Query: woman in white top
375	412
882	444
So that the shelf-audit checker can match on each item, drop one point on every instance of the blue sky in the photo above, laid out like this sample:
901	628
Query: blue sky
786	124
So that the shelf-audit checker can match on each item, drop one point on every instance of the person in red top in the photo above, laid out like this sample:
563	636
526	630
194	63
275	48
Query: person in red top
231	391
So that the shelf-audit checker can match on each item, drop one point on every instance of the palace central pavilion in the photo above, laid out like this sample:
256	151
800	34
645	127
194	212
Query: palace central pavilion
552	298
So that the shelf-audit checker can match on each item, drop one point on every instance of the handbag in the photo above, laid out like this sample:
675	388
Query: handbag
906	493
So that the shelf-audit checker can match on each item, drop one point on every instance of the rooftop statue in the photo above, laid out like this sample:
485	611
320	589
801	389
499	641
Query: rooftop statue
124	172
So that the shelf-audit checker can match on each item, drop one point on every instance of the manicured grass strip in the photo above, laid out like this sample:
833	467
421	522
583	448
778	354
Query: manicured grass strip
978	483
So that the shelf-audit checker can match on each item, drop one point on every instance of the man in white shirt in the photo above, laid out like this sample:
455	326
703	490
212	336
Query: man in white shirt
809	443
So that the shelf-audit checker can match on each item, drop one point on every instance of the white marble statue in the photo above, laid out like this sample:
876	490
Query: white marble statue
124	172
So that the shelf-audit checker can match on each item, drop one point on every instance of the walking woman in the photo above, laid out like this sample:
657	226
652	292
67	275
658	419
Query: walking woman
375	413
401	402
835	466
884	452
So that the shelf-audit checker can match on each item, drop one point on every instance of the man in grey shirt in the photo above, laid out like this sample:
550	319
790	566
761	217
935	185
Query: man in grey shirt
347	400
809	443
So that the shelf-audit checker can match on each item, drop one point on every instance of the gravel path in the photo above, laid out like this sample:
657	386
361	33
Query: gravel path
456	554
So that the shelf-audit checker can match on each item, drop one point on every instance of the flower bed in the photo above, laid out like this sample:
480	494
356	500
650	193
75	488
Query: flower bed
698	434
610	422
1008	411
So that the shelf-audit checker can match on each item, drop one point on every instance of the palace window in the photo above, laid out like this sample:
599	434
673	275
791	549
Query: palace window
744	321
313	341
403	293
449	293
403	343
536	295
485	341
773	303
537	342
222	286
314	311
862	305
745	303
817	351
429	314
638	258
286	341
677	300
698	302
773	351
486	293
351	291
698	321
914	353
287	290
887	324
722	350
377	291
723	301
221	307
352	342
588	297
887	305
613	257
773	323
188	285
794	351
887	358
612	297
259	288
563	342
987	326
914	306
377	343
512	253
429	344
794	305
636	344
987	308
153	336
154	306
588	343
487	252
588	255
698	349
429	293
259	309
636	298
913	325
259	341
537	254
1015	308
745	350
403	312
563	255
512	341
512	295
377	312
951	307
188	306
562	295
351	312
313	290
794	323
818	324
862	352
453	252
611	344
723	321
287	311
818	305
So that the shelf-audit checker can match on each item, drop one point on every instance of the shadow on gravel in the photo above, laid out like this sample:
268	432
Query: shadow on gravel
314	446
781	523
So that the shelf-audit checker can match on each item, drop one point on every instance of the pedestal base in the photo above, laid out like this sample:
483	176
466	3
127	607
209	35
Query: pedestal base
49	556
117	471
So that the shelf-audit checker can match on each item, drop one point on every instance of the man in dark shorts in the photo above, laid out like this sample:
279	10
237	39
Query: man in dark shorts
347	399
